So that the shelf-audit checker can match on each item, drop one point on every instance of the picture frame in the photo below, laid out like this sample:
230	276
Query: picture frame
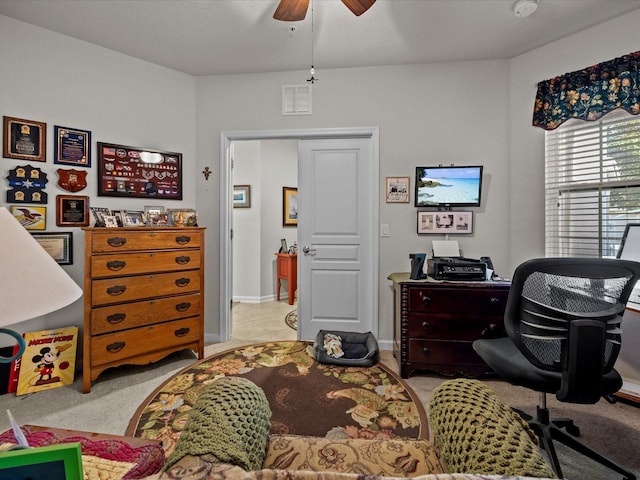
397	189
72	146
133	218
135	172
289	207
99	214
182	217
448	222
24	139
72	211
283	246
242	196
156	216
62	461
57	244
111	221
30	217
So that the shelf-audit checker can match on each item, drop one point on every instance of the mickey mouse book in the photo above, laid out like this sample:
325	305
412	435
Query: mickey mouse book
48	360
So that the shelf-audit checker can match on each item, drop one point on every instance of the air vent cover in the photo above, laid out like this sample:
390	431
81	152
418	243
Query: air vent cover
296	99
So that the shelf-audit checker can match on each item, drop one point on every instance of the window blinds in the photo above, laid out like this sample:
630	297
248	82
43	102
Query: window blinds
592	185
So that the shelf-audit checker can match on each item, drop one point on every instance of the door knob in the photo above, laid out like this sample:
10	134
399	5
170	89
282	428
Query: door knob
307	249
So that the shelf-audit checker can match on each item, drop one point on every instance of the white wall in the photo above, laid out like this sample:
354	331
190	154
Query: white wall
55	79
427	114
267	166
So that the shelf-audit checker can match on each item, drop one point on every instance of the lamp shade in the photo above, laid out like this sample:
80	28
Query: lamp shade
31	281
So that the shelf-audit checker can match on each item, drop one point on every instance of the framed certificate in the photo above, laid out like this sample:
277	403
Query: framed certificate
24	139
72	146
72	211
59	245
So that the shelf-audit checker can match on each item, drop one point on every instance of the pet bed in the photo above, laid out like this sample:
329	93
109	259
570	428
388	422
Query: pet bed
349	349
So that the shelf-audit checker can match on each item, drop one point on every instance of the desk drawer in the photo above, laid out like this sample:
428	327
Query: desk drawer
126	289
120	241
147	312
148	262
131	343
461	327
438	352
459	300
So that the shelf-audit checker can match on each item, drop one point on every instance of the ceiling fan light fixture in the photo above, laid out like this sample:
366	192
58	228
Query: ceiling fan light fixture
524	8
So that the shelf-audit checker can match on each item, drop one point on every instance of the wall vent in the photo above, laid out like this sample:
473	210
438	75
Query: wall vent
296	99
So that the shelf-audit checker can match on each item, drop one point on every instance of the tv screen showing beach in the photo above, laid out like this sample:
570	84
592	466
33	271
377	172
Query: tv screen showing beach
450	186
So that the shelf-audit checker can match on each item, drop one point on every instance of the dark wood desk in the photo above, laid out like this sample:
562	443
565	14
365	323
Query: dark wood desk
436	322
287	269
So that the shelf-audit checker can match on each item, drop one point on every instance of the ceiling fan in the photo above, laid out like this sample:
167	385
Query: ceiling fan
295	10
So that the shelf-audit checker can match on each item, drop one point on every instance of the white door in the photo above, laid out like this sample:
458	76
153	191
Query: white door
337	231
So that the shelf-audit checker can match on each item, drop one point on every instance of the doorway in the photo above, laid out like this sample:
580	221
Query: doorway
226	216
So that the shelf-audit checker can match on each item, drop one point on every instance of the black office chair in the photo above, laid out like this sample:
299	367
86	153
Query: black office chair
563	319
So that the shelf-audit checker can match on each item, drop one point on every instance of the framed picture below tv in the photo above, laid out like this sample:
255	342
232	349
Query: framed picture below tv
453	186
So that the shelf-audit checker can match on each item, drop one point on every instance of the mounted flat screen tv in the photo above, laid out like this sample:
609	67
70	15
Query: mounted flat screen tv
440	186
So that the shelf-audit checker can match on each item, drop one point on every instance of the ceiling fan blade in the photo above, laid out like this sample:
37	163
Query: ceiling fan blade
358	7
291	10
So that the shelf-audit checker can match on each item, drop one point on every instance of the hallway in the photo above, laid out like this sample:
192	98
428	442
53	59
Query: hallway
261	322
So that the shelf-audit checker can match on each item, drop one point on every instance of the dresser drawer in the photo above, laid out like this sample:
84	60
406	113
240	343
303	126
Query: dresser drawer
130	343
455	301
147	262
437	352
462	327
122	241
139	287
136	314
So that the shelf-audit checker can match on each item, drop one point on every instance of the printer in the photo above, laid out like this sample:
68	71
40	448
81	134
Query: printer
448	264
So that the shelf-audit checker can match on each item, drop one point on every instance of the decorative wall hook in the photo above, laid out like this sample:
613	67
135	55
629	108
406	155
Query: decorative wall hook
206	172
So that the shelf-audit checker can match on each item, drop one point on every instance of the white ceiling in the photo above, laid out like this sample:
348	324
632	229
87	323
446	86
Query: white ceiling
208	37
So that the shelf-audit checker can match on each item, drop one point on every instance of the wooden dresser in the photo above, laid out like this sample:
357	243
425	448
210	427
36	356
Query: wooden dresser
436	322
143	296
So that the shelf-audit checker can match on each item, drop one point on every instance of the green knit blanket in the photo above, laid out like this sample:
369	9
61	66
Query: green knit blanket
229	420
477	433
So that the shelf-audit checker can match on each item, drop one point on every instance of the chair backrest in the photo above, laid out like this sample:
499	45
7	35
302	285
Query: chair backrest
565	316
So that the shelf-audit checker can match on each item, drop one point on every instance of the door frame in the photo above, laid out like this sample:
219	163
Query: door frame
226	212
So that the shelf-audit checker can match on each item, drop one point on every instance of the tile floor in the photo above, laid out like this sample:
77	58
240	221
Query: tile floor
261	322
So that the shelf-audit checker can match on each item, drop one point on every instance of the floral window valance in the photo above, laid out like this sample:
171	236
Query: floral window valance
590	93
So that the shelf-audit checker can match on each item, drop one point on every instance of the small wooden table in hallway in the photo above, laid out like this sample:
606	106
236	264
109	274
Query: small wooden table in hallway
287	269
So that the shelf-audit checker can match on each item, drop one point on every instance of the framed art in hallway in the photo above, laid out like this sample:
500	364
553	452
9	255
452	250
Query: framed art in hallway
289	207
242	196
445	222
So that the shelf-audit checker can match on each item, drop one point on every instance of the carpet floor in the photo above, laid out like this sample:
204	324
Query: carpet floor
305	397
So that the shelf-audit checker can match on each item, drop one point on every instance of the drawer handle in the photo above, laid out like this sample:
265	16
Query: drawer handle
183	307
115	347
491	328
116	241
494	301
183	260
183	282
116	318
425	299
181	332
183	239
116	290
115	265
426	350
426	325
